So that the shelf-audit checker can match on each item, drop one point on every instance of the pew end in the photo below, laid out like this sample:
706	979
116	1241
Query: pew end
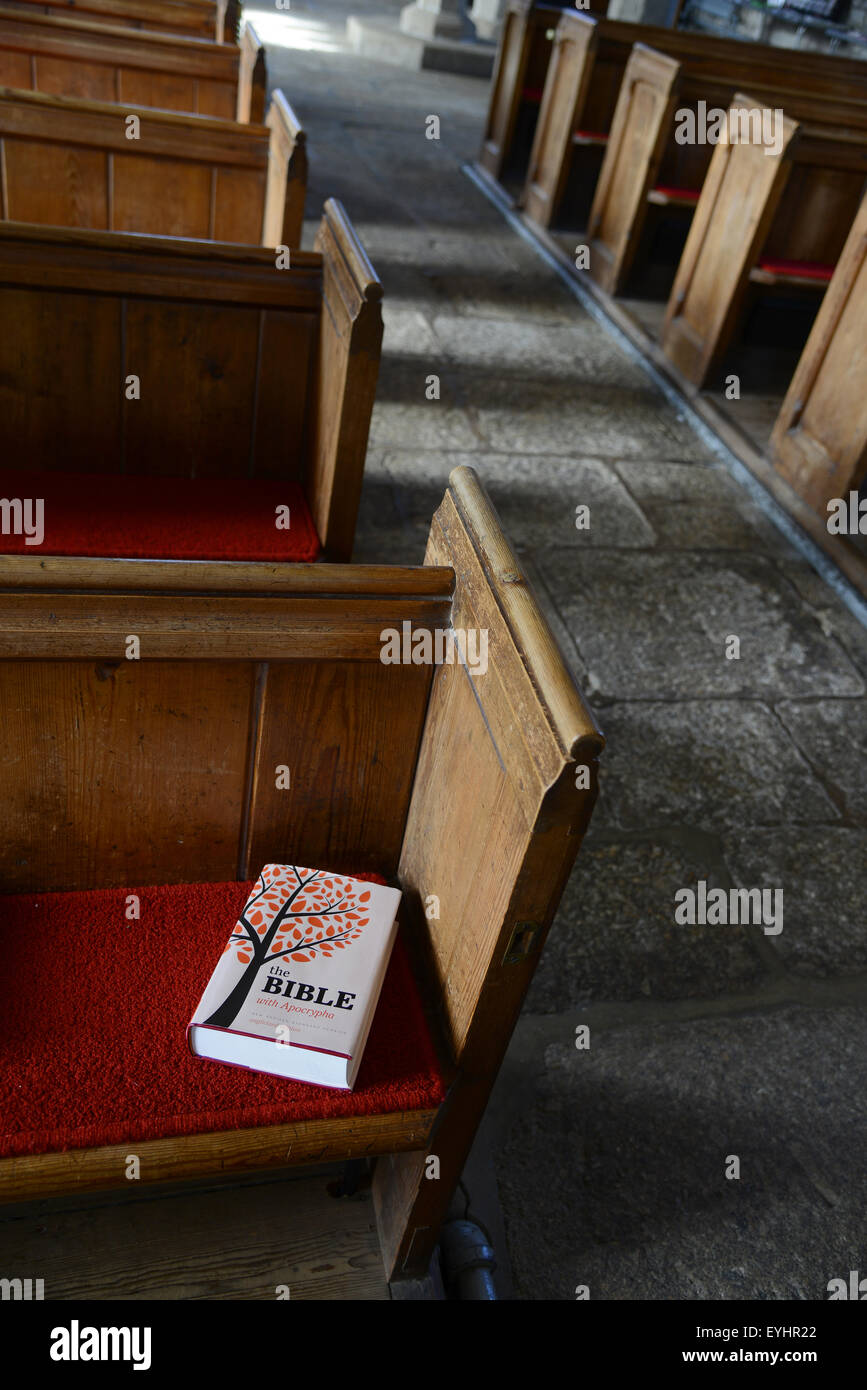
567	83
819	440
743	188
522	59
350	342
632	161
286	187
252	77
518	733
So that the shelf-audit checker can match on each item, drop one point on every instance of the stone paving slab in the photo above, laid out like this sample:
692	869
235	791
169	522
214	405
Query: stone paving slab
833	617
832	735
537	417
820	870
615	937
695	482
612	1172
535	498
568	352
655	627
403	417
709	764
701	507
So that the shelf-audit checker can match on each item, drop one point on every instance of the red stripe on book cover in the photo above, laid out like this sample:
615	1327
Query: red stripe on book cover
262	1037
155	518
93	1016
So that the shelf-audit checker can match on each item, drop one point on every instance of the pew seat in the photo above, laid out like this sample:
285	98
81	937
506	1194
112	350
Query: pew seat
532	95
773	271
164	518
124	1074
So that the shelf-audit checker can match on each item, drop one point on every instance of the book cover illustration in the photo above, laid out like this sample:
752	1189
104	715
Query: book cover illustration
296	987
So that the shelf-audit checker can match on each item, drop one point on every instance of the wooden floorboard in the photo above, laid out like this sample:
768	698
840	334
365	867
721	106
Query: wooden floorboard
218	1242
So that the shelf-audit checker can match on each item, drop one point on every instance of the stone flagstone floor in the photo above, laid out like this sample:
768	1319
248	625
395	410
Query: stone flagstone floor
705	1041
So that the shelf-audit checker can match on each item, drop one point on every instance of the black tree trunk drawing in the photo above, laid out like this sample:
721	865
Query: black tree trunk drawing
224	1016
226	1013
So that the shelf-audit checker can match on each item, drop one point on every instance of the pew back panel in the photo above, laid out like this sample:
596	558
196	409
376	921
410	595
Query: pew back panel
93	62
207	19
166	775
223	345
71	163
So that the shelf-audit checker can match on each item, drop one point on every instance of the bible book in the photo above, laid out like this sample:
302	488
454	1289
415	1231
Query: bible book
296	988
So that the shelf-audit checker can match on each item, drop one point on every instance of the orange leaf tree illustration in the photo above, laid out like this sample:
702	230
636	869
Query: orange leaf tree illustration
302	914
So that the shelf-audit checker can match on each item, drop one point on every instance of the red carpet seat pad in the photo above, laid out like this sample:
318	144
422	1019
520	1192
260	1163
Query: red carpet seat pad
93	1016
805	270
669	190
151	518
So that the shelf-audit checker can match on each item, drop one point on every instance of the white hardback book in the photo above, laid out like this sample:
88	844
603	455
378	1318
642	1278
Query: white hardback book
296	988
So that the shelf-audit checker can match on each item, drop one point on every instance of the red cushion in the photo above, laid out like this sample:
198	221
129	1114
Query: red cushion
532	94
693	194
93	1016
808	270
591	134
163	518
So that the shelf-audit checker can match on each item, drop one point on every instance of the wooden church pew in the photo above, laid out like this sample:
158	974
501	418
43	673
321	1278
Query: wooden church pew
70	163
95	62
586	70
470	786
819	441
245	371
523	54
217	20
645	165
518	77
762	219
